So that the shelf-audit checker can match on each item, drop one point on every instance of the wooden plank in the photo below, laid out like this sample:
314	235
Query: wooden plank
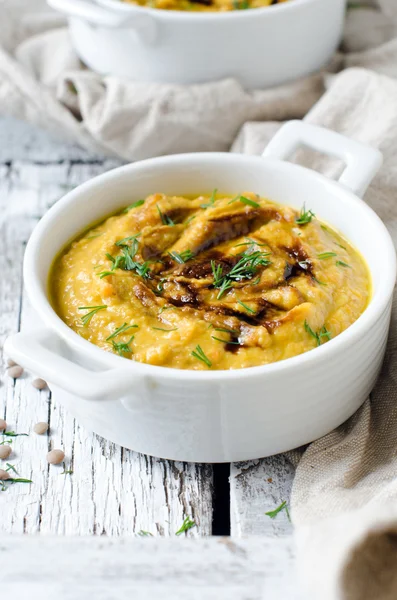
257	487
111	491
145	569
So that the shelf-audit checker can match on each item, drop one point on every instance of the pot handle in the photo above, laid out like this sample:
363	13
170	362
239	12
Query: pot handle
35	351
98	15
362	162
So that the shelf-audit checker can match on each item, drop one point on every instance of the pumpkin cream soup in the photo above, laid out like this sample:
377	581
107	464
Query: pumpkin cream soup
214	282
205	5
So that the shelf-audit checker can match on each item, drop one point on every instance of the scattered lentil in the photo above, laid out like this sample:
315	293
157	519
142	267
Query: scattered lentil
55	457
11	363
15	372
40	428
39	384
4	475
3	425
5	452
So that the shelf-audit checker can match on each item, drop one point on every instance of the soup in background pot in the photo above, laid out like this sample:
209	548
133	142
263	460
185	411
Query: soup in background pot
205	5
213	282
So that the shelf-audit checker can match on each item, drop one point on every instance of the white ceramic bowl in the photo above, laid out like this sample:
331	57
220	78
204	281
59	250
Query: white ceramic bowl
221	415
260	47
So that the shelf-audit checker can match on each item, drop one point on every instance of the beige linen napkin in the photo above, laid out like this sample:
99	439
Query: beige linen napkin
344	500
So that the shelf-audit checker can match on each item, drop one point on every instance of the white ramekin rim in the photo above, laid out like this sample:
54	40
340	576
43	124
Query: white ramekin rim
39	298
118	6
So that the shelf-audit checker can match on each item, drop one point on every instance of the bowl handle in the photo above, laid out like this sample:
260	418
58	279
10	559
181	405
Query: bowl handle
40	351
362	162
143	24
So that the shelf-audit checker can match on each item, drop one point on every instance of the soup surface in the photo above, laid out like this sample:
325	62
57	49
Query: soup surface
213	282
205	5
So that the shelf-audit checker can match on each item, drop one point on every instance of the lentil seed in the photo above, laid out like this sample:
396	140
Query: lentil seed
39	384
15	372
5	452
55	457
40	428
4	475
11	363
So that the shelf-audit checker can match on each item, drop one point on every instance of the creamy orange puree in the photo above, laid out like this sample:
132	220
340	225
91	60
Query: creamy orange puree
213	282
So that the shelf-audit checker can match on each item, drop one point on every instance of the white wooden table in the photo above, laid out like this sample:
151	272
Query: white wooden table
112	491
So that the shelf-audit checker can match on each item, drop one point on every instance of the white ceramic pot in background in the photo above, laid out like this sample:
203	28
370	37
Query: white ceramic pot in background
213	416
260	47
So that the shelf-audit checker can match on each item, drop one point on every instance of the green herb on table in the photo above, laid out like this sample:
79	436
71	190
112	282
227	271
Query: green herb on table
340	263
318	336
187	524
211	202
122	329
324	255
182	257
133	205
92	311
198	353
305	216
273	513
165	219
122	348
13	434
249	202
247	308
67	472
11	468
143	533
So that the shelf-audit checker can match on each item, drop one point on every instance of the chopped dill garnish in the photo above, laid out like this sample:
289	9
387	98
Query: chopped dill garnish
190	219
340	246
340	263
187	524
165	219
163	308
181	257
324	255
318	336
122	347
305	216
318	281
273	513
234	199
131	238
163	329
122	329
250	242
211	202
198	353
224	341
224	330
134	205
247	308
249	202
103	274
92	311
246	267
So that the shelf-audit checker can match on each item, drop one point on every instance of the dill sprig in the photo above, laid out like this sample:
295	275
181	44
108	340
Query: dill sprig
133	205
318	336
122	348
249	202
305	216
143	533
246	267
247	308
198	353
187	524
324	255
163	329
224	341
181	257
273	513
92	311
211	202
165	219
13	434
340	263
122	329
